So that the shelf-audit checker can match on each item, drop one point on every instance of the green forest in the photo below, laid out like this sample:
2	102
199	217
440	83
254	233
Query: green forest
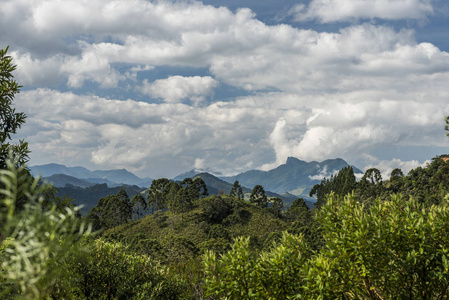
368	238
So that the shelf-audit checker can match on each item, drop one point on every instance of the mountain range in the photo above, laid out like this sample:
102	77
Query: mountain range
60	175
289	181
295	177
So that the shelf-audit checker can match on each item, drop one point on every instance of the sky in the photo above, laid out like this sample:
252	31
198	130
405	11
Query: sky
163	87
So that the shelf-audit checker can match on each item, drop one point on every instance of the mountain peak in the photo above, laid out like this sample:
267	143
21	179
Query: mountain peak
293	160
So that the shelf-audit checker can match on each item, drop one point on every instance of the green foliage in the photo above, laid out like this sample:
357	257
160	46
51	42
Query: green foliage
10	120
217	208
38	241
276	205
231	276
258	197
395	249
139	206
110	271
157	193
370	186
447	126
236	191
111	211
341	184
274	274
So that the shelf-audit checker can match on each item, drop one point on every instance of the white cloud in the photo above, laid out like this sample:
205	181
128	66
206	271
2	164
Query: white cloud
151	139
200	164
237	48
387	166
176	88
314	95
327	11
323	173
169	138
90	66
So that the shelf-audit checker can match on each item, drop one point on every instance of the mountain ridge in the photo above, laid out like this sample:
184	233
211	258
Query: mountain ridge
115	177
295	177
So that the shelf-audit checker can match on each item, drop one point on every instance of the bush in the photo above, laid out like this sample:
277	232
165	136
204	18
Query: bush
111	272
38	241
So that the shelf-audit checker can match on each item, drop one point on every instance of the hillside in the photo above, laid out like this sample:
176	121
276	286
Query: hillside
211	224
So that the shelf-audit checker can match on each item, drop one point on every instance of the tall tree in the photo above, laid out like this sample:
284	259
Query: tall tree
298	211
258	197
341	184
276	205
111	211
447	126
10	120
139	206
371	185
236	190
157	193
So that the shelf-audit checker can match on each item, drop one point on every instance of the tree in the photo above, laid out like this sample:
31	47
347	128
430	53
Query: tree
370	186
139	206
10	120
393	249
35	243
157	193
447	126
258	197
236	190
188	191
111	211
395	182
341	184
276	205
274	274
198	188
299	211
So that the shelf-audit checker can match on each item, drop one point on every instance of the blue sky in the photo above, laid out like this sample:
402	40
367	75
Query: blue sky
162	87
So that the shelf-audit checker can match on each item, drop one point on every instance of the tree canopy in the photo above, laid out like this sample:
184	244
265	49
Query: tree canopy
10	120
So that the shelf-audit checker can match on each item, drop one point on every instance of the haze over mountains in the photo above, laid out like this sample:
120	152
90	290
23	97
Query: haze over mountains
295	178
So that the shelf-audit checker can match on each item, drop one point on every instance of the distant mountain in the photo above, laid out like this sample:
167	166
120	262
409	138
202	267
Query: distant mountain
61	180
110	177
122	176
217	186
193	173
89	196
295	177
52	169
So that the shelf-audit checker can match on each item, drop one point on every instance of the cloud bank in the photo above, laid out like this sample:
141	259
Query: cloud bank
306	93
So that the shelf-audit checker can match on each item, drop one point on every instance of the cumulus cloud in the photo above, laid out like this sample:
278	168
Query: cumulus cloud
176	88
323	173
313	95
387	166
237	48
157	139
327	11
